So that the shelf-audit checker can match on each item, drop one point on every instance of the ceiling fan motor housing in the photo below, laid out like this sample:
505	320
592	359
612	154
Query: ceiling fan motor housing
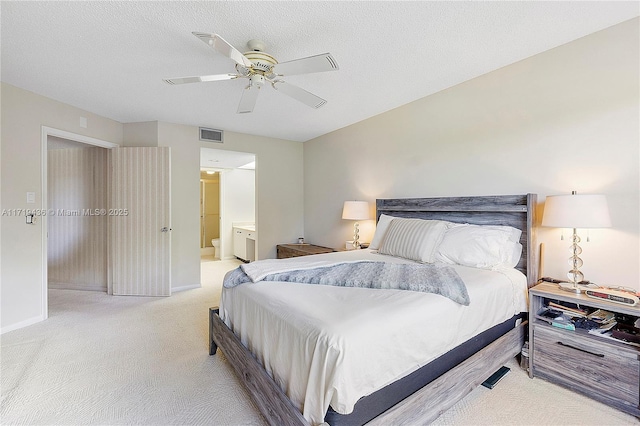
256	45
261	61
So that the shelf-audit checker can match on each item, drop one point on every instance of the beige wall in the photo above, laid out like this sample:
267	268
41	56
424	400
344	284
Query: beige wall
23	115
566	119
140	134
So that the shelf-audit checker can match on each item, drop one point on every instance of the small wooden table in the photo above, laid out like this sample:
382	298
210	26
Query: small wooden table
294	250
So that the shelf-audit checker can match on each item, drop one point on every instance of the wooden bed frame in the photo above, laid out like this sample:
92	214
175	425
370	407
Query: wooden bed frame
428	403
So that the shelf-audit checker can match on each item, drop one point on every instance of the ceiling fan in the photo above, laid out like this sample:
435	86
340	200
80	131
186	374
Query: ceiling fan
260	67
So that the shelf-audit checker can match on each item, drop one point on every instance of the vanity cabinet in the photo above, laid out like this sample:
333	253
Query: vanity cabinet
244	244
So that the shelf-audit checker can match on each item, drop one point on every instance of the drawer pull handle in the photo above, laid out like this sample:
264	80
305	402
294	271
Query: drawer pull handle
581	350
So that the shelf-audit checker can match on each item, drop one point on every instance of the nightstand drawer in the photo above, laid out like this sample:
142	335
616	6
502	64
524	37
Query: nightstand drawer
587	364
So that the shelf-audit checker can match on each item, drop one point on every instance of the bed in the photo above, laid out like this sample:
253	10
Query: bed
285	340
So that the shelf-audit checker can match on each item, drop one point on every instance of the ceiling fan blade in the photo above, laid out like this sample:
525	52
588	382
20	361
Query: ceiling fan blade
299	94
318	63
222	46
200	79
248	99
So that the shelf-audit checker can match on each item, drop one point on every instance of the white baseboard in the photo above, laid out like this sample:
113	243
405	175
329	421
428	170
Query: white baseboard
183	288
73	286
22	324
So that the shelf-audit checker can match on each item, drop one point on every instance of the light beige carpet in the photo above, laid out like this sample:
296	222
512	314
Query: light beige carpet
108	360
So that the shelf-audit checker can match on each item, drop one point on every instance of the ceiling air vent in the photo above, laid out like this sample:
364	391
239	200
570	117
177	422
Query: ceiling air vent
210	135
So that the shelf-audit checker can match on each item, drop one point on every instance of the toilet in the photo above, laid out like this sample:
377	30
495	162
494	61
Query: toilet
216	247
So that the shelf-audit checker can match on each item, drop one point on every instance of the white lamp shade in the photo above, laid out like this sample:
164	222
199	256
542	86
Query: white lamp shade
355	210
576	211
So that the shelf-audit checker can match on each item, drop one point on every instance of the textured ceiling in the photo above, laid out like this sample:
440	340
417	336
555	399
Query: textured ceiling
110	57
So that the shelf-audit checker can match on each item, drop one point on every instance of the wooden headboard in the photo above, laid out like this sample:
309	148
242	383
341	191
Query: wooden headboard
512	210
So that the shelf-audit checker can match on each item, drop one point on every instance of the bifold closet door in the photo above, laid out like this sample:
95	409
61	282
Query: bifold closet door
140	218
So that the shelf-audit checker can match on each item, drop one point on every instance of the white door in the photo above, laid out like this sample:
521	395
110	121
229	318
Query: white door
140	218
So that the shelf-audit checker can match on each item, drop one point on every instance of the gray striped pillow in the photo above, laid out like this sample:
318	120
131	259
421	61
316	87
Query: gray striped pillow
414	239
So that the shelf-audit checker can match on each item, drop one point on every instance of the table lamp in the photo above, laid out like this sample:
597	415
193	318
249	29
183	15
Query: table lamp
355	210
576	211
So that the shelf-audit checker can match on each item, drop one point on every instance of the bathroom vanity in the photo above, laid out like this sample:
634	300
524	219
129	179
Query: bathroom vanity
244	242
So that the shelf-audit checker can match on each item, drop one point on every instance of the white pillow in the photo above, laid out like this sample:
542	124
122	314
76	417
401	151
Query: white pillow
381	228
516	254
414	239
514	250
512	233
478	246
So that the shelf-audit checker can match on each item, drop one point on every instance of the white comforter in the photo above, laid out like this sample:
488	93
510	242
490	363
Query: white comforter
333	345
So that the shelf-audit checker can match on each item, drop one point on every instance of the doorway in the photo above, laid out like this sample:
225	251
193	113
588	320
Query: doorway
139	248
229	175
210	214
49	132
77	187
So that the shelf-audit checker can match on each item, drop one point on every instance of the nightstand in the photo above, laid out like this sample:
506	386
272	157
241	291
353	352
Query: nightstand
294	250
604	369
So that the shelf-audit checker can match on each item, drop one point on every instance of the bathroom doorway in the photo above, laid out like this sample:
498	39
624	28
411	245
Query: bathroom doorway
227	198
210	214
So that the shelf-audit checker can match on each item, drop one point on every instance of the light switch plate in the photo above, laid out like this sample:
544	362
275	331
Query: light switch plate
31	197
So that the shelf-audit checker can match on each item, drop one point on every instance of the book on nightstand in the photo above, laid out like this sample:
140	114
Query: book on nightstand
556	318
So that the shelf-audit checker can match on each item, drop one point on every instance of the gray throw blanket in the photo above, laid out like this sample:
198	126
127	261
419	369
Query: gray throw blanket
427	278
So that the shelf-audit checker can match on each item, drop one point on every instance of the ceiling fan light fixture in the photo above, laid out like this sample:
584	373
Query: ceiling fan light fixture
256	80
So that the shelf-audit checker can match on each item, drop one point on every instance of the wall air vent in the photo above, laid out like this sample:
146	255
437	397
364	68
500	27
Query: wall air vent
211	135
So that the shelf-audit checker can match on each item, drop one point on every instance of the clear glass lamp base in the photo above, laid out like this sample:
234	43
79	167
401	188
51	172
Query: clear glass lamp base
574	275
573	288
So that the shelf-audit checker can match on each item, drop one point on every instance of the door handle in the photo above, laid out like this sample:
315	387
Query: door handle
581	350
